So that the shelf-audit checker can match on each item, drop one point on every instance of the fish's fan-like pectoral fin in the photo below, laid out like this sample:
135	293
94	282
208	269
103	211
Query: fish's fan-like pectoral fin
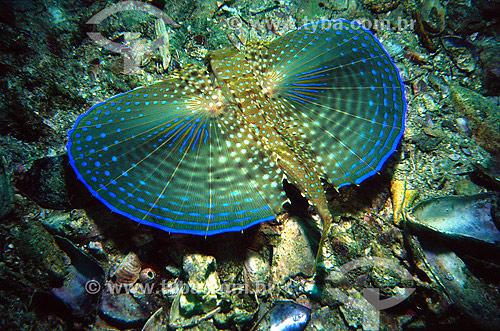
245	149
158	155
338	82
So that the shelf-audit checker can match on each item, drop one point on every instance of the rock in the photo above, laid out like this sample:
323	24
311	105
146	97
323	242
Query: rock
236	309
448	124
43	262
45	183
462	52
358	312
203	282
490	59
241	315
312	10
381	6
386	280
123	310
326	319
51	183
482	114
74	225
7	16
75	292
464	19
488	8
293	255
466	187
5	192
426	143
257	271
465	150
336	5
429	103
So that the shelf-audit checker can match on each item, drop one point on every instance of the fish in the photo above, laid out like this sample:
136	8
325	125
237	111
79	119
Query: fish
206	150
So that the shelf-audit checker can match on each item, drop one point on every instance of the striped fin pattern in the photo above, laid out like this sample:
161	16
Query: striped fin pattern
205	151
341	87
160	155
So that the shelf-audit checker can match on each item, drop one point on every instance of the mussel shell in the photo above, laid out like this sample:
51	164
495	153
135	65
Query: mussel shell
284	316
488	174
289	316
464	219
459	42
469	293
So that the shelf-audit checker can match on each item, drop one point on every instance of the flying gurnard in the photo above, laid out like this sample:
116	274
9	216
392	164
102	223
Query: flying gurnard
206	150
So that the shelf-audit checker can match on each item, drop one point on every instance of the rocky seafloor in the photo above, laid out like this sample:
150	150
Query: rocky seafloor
423	232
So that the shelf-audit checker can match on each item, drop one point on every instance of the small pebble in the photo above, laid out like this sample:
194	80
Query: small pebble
462	125
449	125
95	245
466	151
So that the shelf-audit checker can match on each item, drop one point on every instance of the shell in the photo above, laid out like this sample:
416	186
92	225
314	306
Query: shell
402	198
284	316
462	125
257	270
433	16
467	292
465	219
161	32
489	173
147	275
82	286
157	322
128	270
